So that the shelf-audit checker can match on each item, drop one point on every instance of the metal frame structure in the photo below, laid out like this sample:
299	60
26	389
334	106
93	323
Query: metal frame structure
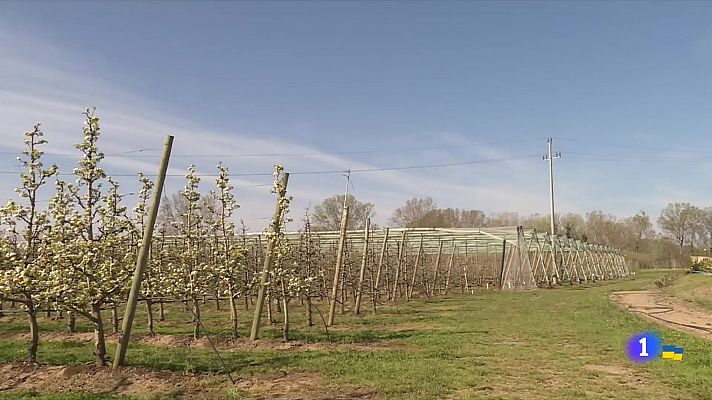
505	258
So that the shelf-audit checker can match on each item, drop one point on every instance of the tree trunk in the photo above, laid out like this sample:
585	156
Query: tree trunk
99	335
233	313
34	332
285	310
343	293
71	322
270	316
217	302
196	311
161	312
114	318
149	317
308	306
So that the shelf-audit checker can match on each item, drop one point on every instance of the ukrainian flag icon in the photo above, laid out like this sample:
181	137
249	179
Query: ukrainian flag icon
678	354
673	353
668	352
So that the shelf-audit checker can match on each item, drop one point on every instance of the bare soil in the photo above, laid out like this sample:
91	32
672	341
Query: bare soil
220	342
666	310
148	383
306	386
22	377
400	327
243	344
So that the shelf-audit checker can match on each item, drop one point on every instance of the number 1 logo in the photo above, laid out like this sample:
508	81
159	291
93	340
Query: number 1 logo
644	347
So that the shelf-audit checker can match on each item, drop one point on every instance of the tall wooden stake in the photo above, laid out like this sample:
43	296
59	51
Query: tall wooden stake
398	266
256	320
437	268
409	292
449	266
501	269
363	265
143	253
380	265
337	268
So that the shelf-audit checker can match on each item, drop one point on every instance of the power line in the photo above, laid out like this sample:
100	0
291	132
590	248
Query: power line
376	151
641	157
645	148
133	153
363	170
445	165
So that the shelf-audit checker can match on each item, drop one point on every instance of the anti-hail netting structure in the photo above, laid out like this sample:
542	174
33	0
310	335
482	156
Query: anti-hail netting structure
428	261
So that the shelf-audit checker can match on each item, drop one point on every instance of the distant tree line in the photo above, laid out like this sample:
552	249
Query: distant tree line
684	228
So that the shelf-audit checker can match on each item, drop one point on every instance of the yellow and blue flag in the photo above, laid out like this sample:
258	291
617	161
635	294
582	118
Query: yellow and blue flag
673	353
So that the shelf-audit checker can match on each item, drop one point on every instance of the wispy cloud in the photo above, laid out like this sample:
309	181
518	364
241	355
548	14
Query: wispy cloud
41	91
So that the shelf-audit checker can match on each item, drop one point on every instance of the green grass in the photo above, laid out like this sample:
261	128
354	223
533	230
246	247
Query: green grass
532	345
695	288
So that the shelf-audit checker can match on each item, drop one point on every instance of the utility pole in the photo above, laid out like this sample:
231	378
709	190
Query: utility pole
550	156
348	182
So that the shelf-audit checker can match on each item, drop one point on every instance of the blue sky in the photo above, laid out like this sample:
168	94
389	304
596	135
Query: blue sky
624	88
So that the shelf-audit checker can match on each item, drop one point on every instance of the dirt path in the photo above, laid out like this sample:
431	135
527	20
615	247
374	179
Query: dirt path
666	310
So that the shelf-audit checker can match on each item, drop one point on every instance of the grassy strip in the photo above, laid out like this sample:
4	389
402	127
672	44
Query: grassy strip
695	288
546	344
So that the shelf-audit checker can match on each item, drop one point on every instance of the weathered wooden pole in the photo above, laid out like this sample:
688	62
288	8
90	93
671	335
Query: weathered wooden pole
374	292
501	269
437	268
398	265
409	293
256	320
143	254
337	267
449	266
364	259
380	261
464	270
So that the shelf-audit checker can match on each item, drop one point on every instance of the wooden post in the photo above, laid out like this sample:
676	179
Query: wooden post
449	266
142	260
501	269
380	265
478	269
409	294
337	267
464	269
254	334
437	267
342	279
363	264
398	265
